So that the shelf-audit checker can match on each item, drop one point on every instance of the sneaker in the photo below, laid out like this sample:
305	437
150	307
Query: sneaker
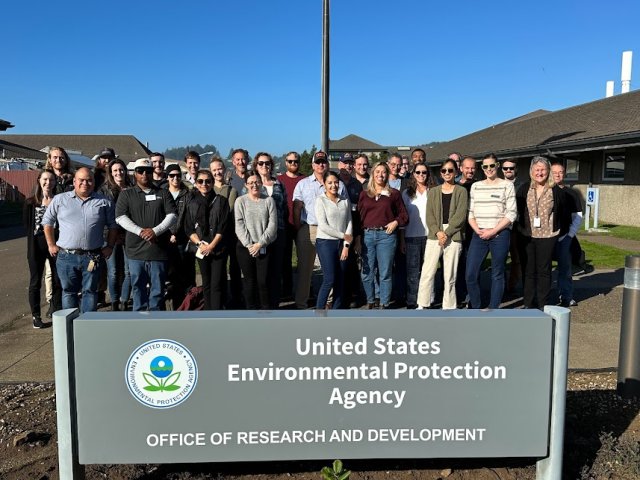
37	322
419	307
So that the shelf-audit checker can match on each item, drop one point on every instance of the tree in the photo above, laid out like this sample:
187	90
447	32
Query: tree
178	153
305	161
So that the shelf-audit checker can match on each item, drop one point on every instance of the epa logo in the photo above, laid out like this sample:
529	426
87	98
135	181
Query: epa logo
161	373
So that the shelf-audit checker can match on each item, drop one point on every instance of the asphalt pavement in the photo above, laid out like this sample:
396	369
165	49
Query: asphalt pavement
27	353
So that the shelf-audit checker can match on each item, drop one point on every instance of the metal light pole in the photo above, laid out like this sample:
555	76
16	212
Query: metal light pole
325	76
629	355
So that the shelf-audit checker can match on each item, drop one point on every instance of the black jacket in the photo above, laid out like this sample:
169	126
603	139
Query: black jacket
207	217
563	207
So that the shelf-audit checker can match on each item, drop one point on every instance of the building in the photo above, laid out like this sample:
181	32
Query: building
598	142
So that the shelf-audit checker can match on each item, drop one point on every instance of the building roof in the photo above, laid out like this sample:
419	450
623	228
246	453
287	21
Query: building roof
127	147
9	150
613	121
354	143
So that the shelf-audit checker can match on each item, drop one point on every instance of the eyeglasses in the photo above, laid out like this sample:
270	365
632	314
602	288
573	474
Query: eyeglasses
203	181
508	169
420	172
293	162
447	170
88	181
174	175
489	167
262	164
144	171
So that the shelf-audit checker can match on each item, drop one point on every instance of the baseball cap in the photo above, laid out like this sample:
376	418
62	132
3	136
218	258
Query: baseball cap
347	158
320	157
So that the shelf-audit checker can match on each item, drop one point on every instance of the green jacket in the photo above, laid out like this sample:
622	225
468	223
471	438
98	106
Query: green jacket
458	212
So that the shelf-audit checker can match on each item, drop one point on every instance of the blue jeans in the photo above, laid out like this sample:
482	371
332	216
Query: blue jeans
478	250
75	278
152	273
378	250
415	248
565	281
118	271
332	271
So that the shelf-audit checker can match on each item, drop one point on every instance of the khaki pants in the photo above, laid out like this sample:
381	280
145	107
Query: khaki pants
306	250
450	255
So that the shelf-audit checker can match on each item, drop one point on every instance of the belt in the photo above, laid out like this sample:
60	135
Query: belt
375	229
79	251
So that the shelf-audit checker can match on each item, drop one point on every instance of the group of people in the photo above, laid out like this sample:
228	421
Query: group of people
379	233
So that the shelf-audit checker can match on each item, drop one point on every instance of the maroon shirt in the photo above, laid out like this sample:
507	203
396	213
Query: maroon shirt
289	186
378	213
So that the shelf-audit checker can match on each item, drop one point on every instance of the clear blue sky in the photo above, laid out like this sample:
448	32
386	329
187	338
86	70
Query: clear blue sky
247	73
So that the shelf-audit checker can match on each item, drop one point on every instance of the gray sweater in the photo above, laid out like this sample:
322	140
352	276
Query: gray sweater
256	221
334	219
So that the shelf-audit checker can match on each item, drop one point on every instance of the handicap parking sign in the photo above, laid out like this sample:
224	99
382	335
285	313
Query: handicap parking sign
591	196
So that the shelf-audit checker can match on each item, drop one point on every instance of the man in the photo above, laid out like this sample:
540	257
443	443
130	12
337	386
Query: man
306	224
361	168
353	280
418	155
239	159
394	163
563	245
456	157
289	179
146	213
468	172
192	159
405	168
510	173
100	170
159	175
81	216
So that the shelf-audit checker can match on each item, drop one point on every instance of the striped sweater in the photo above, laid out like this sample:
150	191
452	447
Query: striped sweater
491	202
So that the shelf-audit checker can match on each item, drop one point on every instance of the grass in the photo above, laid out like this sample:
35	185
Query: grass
603	256
623	231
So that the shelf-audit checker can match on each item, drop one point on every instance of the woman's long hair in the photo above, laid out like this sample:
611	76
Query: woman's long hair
111	182
38	193
371	184
412	185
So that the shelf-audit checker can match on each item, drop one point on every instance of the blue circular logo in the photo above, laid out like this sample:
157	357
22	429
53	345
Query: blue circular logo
161	373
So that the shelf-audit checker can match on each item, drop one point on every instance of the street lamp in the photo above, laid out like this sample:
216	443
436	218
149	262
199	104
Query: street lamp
325	76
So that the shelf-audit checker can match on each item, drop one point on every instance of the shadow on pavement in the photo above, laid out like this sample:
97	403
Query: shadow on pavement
11	233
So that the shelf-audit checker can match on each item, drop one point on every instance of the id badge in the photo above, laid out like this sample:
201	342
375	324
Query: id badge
536	222
150	198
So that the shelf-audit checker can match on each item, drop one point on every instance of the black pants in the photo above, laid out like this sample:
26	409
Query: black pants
276	253
535	257
254	271
37	255
287	261
234	299
213	269
181	270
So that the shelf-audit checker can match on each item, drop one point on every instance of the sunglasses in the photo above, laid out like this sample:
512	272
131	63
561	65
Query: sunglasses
175	175
420	172
293	162
203	181
489	167
320	162
262	164
447	170
508	169
144	171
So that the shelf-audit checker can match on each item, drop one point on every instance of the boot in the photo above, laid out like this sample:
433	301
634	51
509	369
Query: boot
115	306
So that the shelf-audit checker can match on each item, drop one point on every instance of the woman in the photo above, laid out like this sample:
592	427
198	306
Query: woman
541	219
59	163
492	211
334	236
118	278
272	187
413	238
256	221
381	213
233	294
37	250
206	222
180	274
446	222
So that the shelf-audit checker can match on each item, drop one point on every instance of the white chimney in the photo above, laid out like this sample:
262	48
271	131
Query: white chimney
609	88
626	71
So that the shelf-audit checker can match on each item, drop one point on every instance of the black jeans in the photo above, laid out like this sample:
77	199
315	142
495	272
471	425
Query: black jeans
213	269
276	252
535	257
287	261
254	271
37	255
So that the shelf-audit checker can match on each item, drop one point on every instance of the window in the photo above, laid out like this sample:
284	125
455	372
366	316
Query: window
572	169
613	166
